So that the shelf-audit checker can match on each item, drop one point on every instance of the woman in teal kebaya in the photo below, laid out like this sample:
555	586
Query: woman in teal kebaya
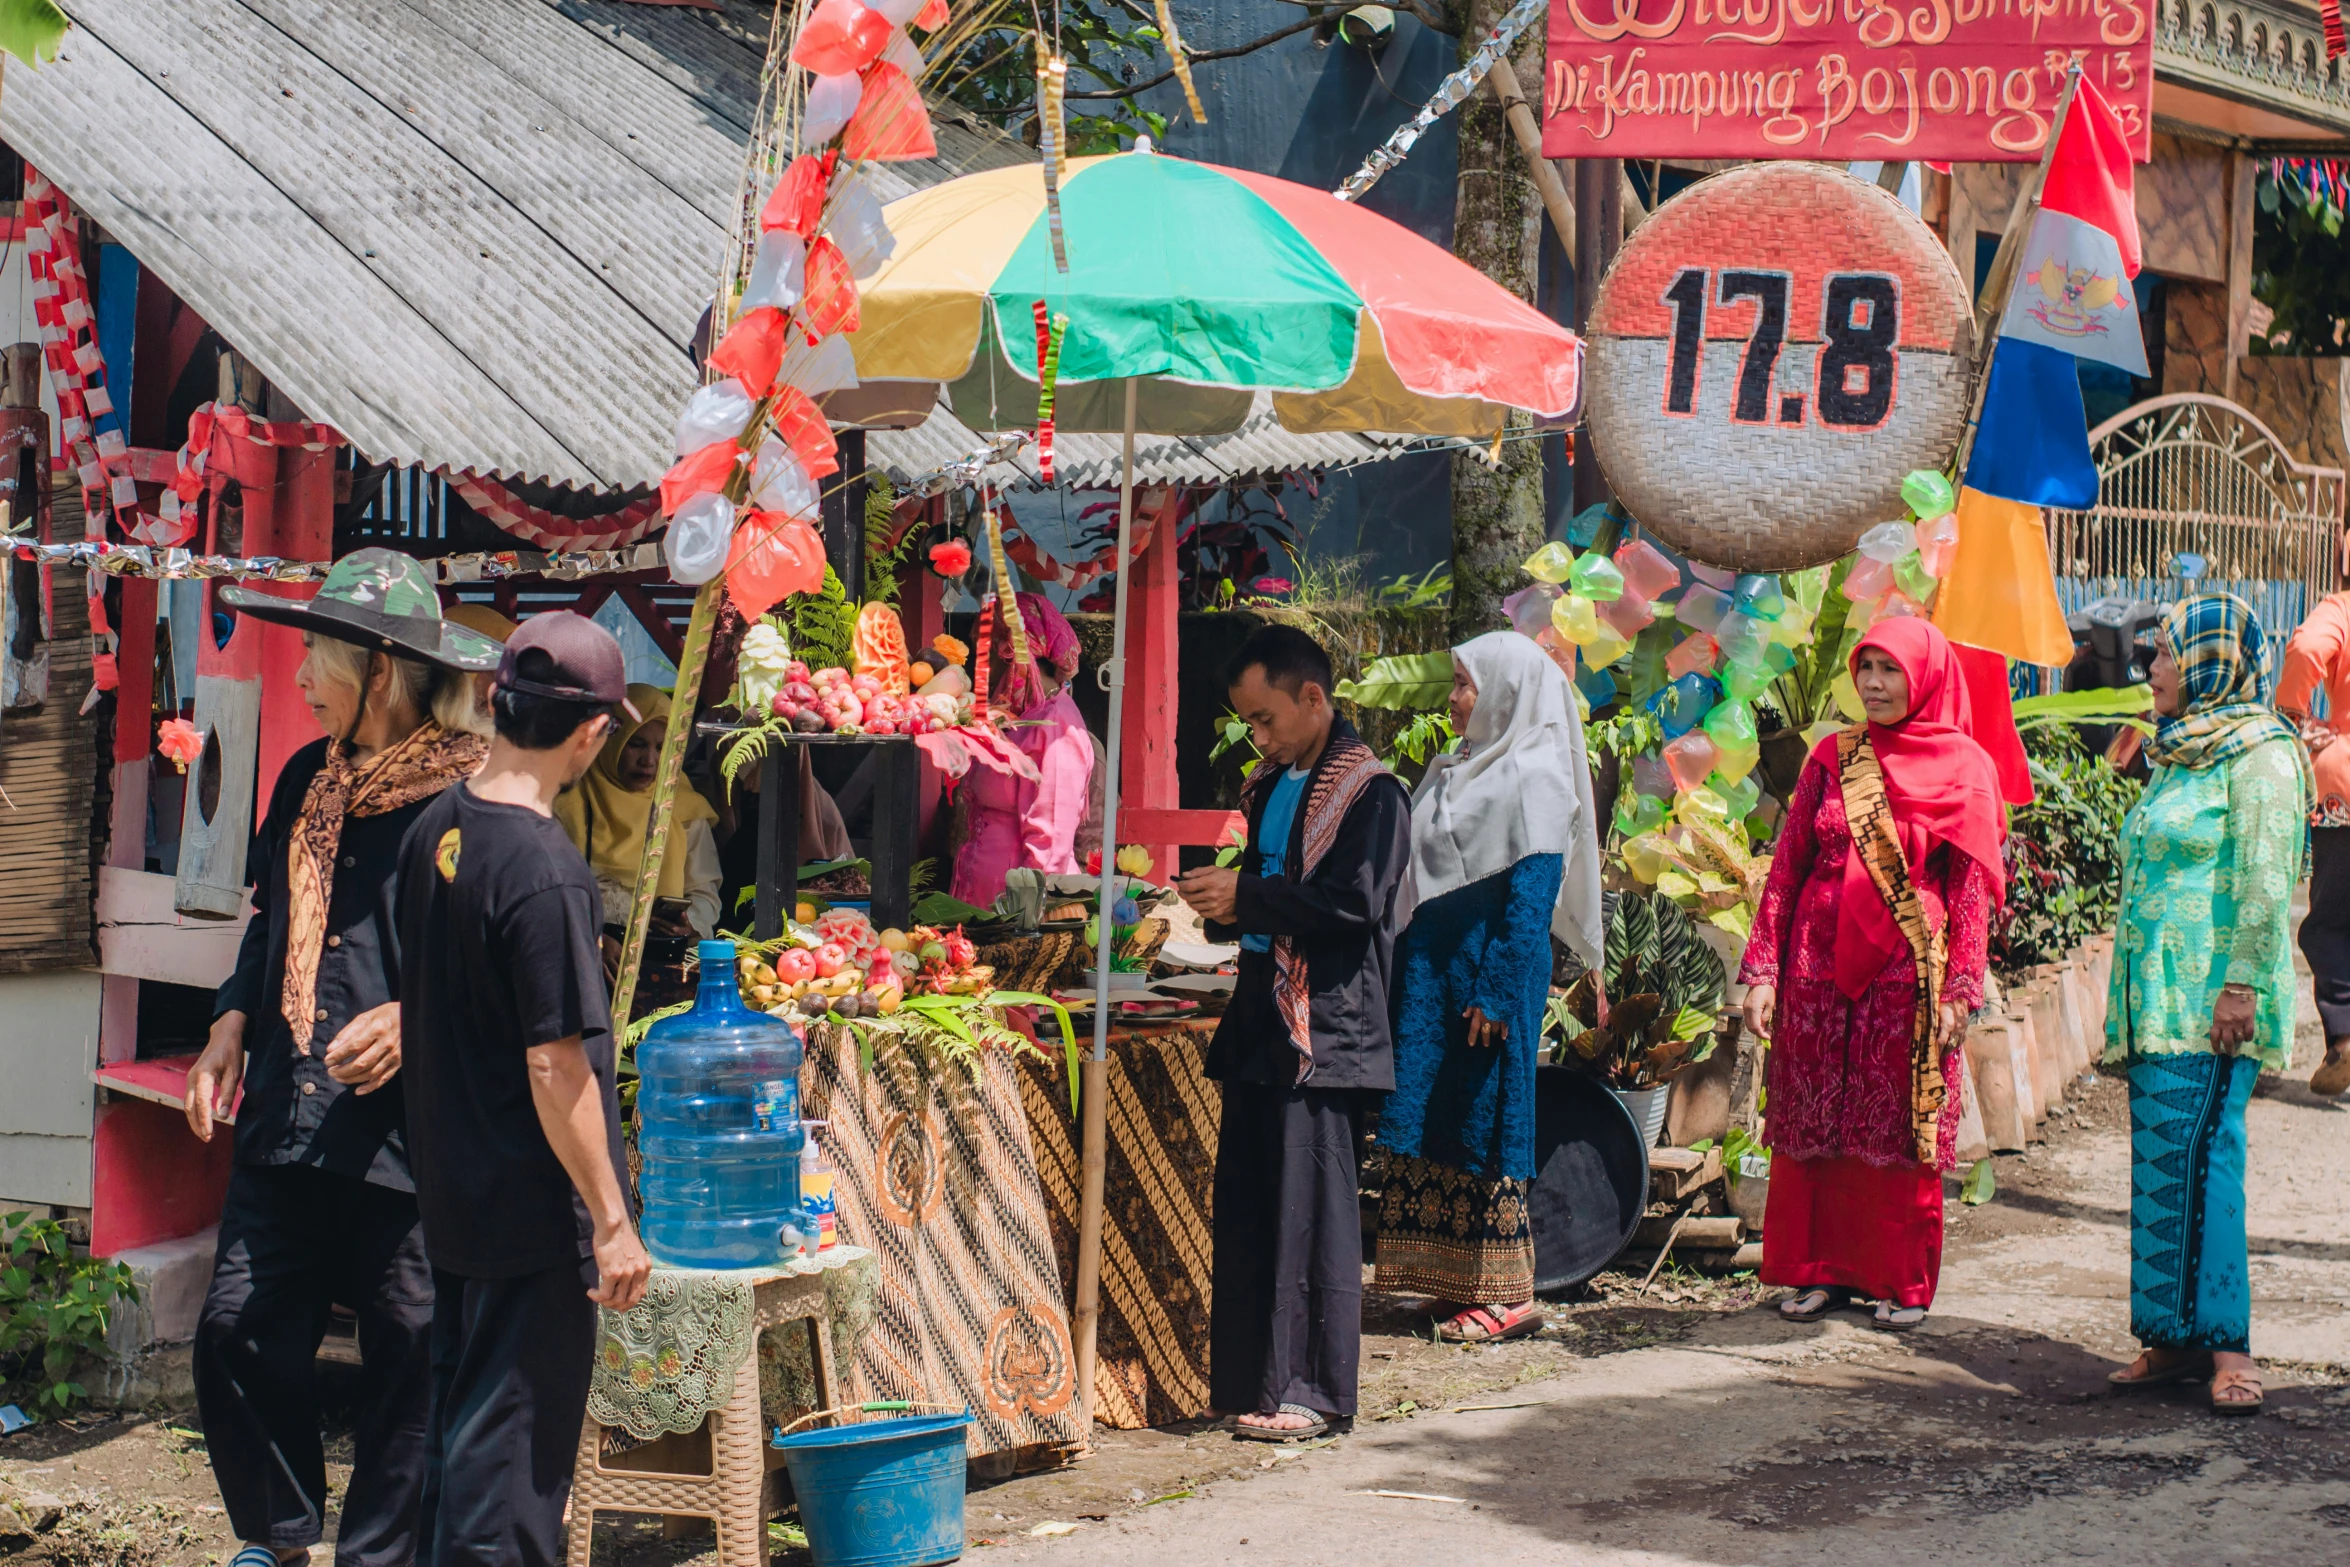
2202	989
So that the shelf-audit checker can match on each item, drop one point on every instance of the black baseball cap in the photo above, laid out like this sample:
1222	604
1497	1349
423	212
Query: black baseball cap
565	656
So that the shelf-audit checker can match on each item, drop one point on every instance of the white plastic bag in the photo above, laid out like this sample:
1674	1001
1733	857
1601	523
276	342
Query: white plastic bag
859	229
830	366
780	484
831	100
779	272
715	413
699	536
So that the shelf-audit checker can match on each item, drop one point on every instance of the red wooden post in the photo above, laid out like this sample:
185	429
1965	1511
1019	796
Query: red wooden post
1148	766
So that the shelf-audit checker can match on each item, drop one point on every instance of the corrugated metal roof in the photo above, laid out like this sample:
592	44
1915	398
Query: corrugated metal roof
473	234
1259	446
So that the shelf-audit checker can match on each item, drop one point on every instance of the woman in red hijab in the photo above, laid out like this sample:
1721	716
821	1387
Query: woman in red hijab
1866	958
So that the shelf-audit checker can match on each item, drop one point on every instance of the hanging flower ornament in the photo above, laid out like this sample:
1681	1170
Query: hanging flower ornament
753	447
180	742
951	559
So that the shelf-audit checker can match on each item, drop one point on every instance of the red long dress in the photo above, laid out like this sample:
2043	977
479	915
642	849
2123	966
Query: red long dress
1850	1204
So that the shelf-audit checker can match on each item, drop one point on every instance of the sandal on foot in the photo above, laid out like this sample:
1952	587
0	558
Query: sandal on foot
1900	1319
1487	1325
1316	1425
1814	1304
2237	1392
2187	1368
267	1556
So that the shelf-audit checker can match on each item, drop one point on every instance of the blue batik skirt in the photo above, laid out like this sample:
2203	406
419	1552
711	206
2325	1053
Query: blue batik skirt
2190	1281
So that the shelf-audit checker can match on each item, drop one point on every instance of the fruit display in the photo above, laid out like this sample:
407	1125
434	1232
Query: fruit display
834	701
837	964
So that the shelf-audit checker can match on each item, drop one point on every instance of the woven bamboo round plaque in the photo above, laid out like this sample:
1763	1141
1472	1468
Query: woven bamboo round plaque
1769	355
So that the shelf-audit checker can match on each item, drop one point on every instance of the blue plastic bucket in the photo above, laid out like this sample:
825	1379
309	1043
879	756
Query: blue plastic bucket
887	1493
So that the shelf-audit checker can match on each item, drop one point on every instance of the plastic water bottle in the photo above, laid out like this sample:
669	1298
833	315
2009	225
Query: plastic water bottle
718	1113
820	1229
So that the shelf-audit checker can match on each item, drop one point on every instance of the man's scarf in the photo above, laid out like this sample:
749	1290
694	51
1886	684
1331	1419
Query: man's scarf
426	762
1346	769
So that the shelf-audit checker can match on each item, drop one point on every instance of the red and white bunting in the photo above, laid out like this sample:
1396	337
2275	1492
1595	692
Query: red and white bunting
510	513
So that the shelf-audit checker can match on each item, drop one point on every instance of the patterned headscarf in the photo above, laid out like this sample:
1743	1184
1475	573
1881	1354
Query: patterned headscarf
2223	690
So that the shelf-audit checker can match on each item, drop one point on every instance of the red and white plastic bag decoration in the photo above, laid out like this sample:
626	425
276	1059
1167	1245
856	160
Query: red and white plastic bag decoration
820	230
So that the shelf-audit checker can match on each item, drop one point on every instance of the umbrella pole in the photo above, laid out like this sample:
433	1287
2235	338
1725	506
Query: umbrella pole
1094	1076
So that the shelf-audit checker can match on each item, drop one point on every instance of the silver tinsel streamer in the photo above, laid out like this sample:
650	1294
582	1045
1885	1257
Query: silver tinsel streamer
1448	97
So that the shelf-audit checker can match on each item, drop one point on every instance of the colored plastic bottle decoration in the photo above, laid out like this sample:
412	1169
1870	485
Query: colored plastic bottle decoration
1575	618
1759	595
1929	494
1551	563
1740	798
1888	542
1745	682
1596	577
1792	629
1583	528
1898	603
1605	648
1702	608
1644	857
1868	579
1637	813
1628	614
1693	654
1911	577
1937	543
1731	727
1742	638
1691	757
1529	608
1646	570
1683	704
1713	576
1597	685
1651	776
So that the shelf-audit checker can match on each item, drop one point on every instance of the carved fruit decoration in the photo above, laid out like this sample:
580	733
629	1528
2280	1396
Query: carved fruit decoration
879	648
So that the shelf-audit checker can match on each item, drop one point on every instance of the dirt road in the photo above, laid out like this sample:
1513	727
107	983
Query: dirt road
1688	1426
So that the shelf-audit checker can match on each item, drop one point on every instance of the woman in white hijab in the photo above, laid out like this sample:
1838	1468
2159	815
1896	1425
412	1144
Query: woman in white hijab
1505	854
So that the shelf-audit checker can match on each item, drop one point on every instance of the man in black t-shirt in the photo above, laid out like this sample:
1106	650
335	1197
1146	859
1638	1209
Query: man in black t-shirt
513	1119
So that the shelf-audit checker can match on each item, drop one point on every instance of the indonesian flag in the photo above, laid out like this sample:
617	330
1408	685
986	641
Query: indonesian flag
2073	293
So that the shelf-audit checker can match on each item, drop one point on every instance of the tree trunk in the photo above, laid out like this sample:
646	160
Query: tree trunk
1497	517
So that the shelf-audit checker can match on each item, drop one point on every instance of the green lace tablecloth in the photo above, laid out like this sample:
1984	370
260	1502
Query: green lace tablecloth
668	1363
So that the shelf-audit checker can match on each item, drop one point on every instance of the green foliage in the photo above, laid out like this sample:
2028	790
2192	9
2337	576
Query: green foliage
1981	1184
55	1304
1805	694
1664	985
31	30
1231	731
1410	682
2103	705
1633	732
823	624
1428	734
885	563
1644	667
991	72
2300	270
939	909
1431	588
2064	852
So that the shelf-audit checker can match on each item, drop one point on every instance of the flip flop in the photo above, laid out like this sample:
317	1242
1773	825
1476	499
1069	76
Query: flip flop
1831	1299
2188	1368
2233	1381
1487	1326
1317	1425
1899	1319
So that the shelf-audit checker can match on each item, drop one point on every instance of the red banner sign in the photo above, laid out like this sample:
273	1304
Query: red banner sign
1972	80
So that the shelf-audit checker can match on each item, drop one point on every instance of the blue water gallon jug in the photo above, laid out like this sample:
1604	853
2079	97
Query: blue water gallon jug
718	1122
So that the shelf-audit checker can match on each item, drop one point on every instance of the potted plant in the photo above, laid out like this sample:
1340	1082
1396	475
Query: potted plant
1664	986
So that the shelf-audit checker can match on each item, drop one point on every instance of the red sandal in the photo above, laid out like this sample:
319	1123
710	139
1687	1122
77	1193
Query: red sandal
1489	1325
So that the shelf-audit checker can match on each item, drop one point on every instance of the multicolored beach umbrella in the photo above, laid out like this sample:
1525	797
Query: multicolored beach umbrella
1207	284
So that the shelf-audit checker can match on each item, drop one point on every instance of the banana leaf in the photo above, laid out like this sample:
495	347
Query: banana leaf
1407	682
2103	705
1029	998
31	30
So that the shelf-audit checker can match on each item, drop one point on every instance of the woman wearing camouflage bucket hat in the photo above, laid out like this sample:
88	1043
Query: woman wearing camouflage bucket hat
320	1205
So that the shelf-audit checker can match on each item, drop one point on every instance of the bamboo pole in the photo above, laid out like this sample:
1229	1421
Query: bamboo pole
690	660
1094	1077
1502	82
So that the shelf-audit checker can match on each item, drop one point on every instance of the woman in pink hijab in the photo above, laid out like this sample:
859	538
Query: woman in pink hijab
1014	822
